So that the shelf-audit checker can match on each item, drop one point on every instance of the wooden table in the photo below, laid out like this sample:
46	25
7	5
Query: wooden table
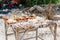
16	31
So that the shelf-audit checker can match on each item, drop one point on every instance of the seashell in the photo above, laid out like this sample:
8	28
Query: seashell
11	21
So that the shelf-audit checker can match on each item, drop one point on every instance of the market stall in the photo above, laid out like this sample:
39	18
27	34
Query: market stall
29	23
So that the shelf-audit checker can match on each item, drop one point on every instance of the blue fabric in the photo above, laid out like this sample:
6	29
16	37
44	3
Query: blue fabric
5	12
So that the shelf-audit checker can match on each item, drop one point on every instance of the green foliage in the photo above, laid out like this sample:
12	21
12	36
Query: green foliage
38	2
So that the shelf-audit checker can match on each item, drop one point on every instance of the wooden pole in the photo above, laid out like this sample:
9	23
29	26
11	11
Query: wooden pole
48	14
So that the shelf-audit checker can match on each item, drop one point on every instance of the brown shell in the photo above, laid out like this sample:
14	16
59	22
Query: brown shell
31	17
5	19
23	18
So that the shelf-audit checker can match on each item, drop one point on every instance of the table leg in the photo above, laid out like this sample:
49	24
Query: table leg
36	34
55	31
16	34
23	35
6	31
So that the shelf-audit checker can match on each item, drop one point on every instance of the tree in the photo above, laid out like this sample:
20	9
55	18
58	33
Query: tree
38	2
